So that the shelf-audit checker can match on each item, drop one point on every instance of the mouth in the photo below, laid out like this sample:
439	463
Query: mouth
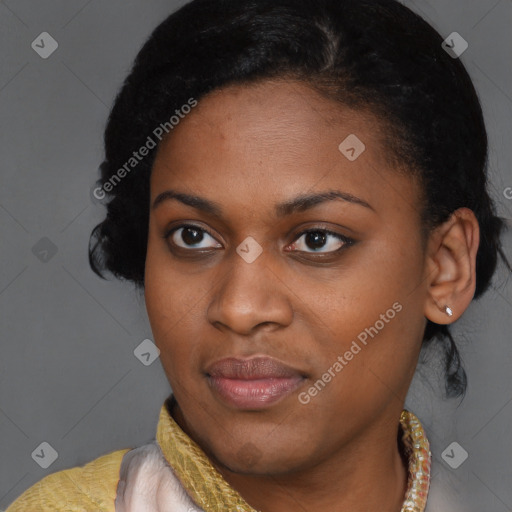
254	383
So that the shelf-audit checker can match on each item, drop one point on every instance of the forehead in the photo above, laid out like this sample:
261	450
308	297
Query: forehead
279	137
285	116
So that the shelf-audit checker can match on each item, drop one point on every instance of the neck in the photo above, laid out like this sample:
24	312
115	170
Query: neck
369	473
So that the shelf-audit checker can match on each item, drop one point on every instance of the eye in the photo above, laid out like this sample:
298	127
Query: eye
317	239
191	237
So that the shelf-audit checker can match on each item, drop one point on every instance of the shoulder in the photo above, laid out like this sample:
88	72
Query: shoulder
148	483
91	487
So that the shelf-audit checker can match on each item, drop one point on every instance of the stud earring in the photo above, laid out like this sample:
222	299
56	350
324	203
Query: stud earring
448	311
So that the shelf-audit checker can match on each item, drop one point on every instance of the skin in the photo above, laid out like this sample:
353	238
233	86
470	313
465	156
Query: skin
248	148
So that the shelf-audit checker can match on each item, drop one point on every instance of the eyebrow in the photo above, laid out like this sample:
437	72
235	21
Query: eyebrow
299	203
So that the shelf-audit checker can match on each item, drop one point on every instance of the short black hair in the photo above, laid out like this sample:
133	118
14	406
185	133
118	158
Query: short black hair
366	54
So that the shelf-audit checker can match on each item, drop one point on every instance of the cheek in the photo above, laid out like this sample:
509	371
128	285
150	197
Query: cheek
376	277
169	293
372	317
173	304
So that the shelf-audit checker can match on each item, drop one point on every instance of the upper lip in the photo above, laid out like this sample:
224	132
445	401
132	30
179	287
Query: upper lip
260	367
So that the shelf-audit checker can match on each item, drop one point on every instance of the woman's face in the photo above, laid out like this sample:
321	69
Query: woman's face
281	346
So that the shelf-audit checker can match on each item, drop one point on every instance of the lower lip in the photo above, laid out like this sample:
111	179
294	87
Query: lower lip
253	394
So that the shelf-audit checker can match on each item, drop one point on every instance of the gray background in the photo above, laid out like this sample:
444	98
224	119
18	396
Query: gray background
68	375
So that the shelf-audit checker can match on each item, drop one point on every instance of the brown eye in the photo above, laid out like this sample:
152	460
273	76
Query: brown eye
192	237
318	239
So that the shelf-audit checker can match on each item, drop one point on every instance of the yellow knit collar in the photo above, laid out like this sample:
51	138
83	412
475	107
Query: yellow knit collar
208	488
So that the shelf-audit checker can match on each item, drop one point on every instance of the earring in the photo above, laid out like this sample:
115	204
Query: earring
448	311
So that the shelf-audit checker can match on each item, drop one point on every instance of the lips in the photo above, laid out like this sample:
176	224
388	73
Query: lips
253	383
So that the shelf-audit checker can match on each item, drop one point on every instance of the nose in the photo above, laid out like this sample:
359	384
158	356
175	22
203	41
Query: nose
250	296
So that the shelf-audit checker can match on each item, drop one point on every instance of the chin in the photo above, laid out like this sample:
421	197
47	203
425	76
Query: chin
249	458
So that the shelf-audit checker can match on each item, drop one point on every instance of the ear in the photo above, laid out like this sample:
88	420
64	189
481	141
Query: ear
451	266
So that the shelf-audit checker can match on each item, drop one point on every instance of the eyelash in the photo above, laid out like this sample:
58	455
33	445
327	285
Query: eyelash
347	242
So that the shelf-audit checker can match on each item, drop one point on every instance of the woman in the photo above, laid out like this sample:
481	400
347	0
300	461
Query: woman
299	188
